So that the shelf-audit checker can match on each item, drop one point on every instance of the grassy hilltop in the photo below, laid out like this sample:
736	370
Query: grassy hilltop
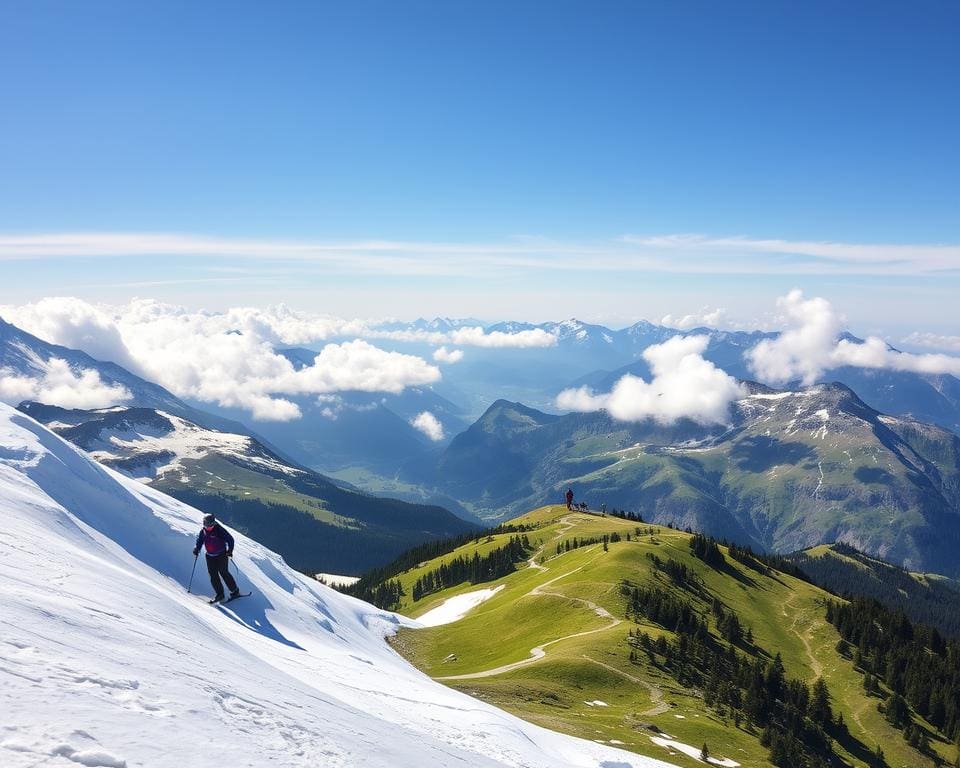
573	608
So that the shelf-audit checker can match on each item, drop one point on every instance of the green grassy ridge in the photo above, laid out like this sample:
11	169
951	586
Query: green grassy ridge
785	614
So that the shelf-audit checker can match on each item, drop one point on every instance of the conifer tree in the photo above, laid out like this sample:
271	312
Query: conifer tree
820	711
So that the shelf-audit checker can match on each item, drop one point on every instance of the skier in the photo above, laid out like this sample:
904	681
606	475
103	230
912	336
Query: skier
569	498
219	546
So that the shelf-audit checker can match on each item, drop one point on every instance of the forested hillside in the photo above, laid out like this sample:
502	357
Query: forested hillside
664	641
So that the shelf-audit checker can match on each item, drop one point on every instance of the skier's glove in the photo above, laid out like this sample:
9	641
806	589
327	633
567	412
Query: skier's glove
196	551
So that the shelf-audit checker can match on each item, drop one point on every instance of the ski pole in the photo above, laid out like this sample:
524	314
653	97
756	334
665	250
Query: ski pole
192	571
237	570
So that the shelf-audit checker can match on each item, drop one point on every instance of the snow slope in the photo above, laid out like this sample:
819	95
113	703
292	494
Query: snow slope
455	608
105	660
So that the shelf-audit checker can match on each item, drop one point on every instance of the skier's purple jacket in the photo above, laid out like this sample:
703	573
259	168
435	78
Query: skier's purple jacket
216	541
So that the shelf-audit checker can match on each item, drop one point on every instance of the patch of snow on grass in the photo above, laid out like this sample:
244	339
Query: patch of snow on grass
455	608
693	752
335	580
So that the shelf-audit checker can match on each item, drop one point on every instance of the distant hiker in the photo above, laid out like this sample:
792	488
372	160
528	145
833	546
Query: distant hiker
218	543
569	498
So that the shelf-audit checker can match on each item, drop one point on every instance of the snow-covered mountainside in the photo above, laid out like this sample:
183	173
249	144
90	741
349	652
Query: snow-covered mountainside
314	522
147	444
106	660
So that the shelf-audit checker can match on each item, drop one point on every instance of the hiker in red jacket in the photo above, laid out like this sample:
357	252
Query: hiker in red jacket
569	498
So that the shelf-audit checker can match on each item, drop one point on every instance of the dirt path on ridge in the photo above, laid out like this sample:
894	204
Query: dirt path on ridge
656	695
564	521
815	664
538	652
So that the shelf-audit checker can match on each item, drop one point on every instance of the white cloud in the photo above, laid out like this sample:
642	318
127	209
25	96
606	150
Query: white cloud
813	346
684	386
874	352
444	355
477	337
427	423
76	324
59	385
803	351
14	388
671	253
358	366
229	357
801	256
933	341
471	337
581	399
710	318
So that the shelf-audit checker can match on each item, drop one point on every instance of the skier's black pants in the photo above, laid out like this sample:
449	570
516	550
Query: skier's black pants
218	566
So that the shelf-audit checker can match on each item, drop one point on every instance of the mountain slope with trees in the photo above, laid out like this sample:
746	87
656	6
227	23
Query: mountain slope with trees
651	638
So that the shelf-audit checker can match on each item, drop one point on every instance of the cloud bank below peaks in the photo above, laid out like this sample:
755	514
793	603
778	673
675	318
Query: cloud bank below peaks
59	385
711	318
228	358
684	386
470	337
812	344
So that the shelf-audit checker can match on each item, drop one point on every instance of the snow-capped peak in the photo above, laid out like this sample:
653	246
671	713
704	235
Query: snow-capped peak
146	444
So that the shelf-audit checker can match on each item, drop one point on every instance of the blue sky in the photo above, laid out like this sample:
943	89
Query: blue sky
456	130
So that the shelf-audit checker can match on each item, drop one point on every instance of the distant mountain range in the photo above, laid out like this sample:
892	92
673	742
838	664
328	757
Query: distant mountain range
598	356
796	469
782	478
317	524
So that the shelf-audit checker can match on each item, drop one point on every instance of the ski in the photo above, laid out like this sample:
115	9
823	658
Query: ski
227	599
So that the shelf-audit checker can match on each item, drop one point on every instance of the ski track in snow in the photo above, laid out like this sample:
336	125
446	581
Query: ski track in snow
106	661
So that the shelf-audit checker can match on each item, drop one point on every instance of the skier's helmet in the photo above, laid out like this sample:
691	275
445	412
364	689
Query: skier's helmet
208	521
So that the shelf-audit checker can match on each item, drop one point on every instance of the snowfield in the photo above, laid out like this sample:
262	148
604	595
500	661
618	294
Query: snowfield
455	608
105	660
